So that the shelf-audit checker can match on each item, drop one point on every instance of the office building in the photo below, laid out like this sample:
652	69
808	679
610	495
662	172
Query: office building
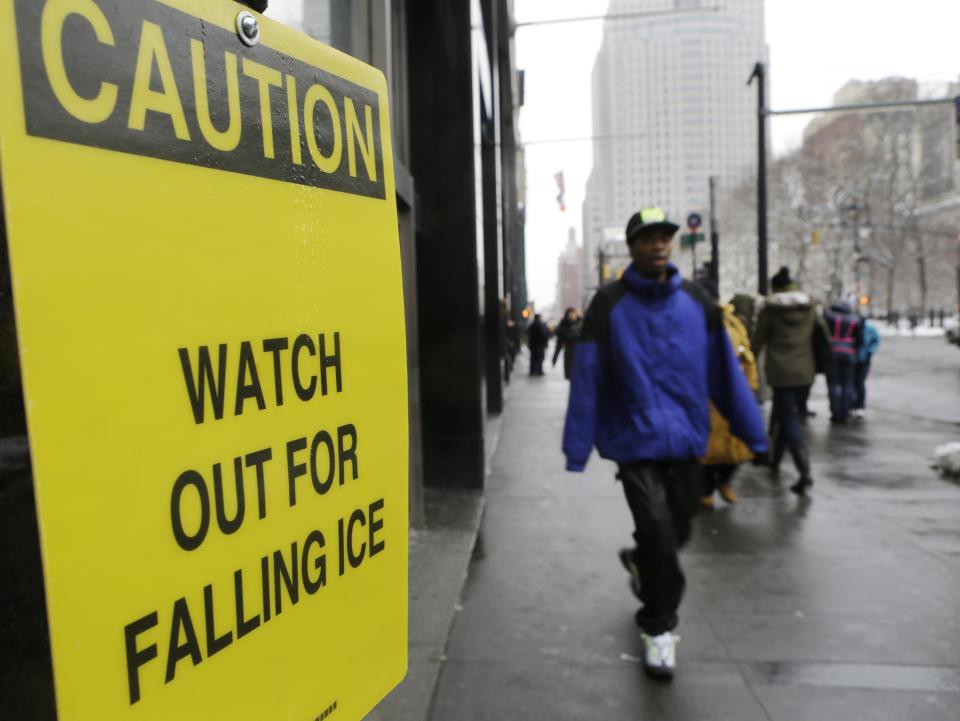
671	107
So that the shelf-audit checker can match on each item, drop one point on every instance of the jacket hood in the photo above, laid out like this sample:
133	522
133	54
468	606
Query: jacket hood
644	286
841	306
788	299
790	308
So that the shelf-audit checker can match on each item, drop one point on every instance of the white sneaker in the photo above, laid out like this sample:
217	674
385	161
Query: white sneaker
660	655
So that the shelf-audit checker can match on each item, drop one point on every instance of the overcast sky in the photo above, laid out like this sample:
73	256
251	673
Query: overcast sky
815	47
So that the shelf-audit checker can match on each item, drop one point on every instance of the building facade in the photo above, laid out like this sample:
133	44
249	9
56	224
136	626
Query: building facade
455	97
671	108
570	276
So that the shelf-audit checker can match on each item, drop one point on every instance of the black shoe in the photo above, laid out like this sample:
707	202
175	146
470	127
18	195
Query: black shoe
802	486
626	558
801	459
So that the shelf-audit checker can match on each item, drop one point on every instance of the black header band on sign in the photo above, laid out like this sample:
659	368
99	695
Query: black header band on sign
140	77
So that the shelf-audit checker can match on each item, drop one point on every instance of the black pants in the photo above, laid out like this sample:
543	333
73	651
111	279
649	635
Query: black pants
840	381
536	360
803	397
860	373
663	497
785	416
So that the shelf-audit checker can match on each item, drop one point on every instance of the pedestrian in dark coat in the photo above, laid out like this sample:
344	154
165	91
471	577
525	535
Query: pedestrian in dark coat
846	337
567	332
785	331
652	355
538	337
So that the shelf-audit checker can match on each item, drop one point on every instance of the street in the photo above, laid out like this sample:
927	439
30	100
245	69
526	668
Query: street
840	606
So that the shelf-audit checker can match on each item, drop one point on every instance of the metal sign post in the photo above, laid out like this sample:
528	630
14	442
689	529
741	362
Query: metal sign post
694	221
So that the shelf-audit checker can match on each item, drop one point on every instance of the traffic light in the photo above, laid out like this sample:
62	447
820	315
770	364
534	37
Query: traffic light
864	300
815	237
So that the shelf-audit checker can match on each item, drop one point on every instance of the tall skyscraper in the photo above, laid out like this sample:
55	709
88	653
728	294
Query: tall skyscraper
671	107
570	275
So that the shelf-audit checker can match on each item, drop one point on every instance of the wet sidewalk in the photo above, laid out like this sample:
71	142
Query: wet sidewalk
845	606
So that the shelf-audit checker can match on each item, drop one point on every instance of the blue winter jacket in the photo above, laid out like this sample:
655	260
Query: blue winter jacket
650	355
871	341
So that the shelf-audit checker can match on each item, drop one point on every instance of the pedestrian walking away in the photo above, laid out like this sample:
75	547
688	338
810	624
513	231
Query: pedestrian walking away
846	338
513	341
567	332
786	333
871	341
725	452
538	337
652	354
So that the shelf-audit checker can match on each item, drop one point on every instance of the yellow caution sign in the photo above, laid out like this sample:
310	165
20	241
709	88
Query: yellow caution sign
206	272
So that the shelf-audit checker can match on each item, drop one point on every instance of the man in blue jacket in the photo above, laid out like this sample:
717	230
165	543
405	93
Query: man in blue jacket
652	352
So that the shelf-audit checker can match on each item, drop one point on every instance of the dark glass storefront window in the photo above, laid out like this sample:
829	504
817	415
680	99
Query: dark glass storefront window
26	676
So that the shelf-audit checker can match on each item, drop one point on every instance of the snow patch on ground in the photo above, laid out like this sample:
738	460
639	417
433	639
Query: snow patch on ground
904	330
946	460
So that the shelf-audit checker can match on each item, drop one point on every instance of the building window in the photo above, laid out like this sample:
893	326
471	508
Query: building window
342	24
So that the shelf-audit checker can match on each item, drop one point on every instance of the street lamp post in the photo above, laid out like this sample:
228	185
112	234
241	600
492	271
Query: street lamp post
759	73
714	236
600	261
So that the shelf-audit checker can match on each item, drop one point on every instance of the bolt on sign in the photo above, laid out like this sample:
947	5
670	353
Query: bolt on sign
203	243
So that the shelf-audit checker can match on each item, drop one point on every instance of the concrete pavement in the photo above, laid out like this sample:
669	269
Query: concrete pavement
844	606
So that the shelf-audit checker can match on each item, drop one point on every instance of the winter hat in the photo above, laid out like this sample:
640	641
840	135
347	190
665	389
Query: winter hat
782	279
842	305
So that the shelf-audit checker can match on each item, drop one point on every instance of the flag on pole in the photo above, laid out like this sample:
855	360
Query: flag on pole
559	178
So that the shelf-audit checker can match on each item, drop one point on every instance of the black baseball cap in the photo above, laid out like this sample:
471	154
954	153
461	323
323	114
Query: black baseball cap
646	219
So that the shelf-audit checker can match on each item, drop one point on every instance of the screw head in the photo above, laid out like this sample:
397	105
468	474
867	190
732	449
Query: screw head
248	29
